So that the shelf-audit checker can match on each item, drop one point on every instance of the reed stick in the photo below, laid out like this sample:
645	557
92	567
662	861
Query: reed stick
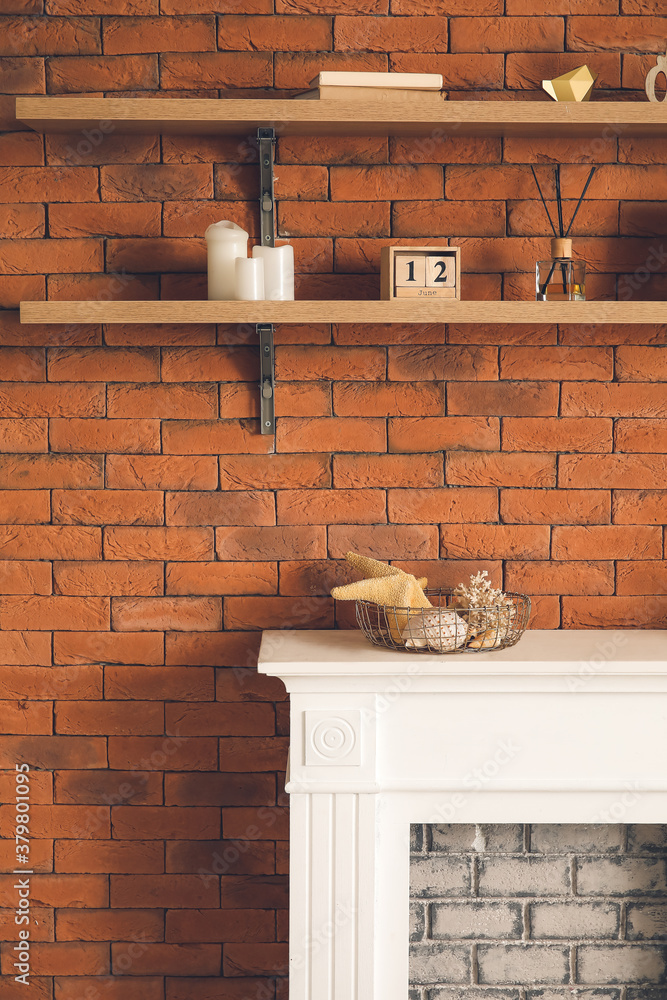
546	207
559	202
590	178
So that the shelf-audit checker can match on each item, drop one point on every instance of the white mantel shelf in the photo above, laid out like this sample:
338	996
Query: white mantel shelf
564	727
542	660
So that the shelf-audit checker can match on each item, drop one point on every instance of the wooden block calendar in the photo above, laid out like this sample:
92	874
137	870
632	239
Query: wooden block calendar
420	272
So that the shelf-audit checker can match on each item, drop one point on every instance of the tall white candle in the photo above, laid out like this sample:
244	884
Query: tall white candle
278	271
249	278
225	242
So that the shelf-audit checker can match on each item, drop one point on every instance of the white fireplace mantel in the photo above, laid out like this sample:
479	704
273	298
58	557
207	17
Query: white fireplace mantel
564	727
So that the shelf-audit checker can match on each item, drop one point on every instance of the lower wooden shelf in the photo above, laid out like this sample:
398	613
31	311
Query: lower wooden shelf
241	117
408	311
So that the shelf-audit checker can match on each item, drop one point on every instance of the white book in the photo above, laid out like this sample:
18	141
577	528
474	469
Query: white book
401	81
372	94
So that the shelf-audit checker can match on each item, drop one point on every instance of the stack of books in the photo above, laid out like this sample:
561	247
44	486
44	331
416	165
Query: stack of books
413	87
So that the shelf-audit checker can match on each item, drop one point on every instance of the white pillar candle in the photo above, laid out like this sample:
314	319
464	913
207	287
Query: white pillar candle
249	278
225	242
278	271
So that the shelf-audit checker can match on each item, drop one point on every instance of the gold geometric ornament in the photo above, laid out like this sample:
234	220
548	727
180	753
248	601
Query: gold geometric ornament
577	85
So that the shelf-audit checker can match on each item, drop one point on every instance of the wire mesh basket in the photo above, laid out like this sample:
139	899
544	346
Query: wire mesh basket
446	627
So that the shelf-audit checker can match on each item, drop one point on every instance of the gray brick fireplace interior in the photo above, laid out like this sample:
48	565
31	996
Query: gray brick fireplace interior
538	912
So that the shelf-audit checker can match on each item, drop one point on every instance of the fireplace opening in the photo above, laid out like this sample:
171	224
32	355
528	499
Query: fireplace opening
538	912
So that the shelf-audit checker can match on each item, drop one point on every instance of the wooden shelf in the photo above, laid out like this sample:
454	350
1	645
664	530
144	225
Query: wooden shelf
406	312
293	117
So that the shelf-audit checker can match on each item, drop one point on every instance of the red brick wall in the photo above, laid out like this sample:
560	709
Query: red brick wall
135	522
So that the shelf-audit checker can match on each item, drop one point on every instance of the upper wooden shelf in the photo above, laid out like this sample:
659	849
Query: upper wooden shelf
293	117
406	311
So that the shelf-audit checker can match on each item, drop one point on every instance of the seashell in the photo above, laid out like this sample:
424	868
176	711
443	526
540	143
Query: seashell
488	639
441	630
490	628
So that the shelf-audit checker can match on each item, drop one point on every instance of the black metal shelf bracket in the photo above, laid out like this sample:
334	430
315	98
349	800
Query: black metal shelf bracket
266	140
267	385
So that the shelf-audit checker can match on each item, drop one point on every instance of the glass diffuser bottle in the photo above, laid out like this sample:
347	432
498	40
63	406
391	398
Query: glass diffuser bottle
560	279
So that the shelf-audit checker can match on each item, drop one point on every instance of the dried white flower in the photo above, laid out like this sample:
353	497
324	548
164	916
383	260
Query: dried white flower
479	593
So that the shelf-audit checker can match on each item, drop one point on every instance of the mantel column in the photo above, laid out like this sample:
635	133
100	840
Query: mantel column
333	843
332	876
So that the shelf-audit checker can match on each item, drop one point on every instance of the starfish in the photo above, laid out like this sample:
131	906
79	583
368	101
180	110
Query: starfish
388	586
384	584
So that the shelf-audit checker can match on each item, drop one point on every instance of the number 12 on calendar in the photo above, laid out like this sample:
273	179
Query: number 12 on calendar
420	272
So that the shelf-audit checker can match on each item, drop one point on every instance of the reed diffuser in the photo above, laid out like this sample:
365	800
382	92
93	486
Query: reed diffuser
561	279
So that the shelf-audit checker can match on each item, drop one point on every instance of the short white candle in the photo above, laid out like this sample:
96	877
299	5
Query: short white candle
249	278
278	271
225	242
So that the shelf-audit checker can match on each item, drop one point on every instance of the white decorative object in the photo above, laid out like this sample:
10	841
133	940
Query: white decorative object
225	241
403	81
333	738
660	69
278	271
564	727
249	278
441	630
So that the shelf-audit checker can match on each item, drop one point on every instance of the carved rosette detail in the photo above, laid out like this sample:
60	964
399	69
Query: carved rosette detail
333	738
